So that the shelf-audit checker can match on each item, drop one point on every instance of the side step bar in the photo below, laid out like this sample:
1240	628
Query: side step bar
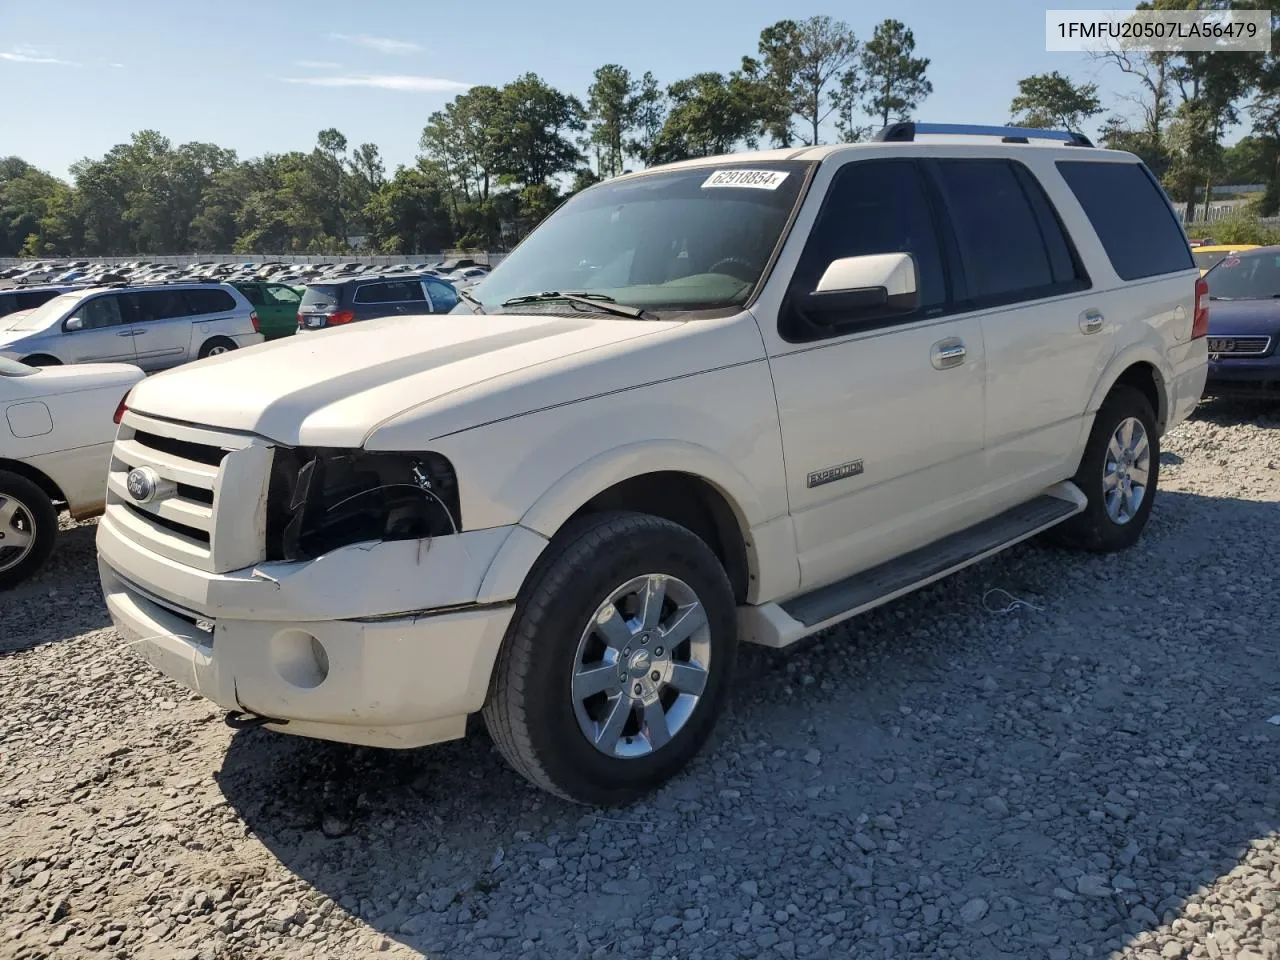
778	625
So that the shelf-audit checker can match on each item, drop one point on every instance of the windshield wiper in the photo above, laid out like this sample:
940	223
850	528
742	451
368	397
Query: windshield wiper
473	301
598	301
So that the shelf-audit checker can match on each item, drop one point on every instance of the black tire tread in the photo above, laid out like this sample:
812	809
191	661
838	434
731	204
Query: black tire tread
46	524
565	558
1091	530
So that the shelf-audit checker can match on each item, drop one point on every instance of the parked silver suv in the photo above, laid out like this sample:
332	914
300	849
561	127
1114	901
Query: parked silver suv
154	326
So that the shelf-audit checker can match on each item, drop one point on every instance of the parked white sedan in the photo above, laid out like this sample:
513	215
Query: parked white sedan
56	429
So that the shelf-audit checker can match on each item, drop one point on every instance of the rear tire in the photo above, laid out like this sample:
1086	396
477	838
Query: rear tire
1118	474
42	360
28	528
593	700
215	346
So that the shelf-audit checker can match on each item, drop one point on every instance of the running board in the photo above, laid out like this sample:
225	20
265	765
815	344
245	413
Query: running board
777	625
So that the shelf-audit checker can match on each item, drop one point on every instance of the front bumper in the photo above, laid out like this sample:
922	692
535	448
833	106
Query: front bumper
324	650
1241	377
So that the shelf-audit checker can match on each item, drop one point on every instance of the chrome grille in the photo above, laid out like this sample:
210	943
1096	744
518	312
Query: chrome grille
1239	346
209	492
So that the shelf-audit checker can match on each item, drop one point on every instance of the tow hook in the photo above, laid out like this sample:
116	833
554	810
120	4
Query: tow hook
241	720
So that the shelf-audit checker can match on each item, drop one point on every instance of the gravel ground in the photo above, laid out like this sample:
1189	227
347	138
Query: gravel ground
1091	773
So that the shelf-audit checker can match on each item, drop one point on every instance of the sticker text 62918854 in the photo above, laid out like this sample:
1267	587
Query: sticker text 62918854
755	179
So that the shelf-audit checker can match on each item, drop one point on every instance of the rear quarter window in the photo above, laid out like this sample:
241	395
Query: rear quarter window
1131	215
210	301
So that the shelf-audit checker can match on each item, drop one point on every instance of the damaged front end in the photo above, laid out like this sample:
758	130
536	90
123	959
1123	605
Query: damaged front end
321	499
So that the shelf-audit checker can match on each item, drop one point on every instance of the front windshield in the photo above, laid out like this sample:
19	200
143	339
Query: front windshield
41	316
12	368
688	239
1245	276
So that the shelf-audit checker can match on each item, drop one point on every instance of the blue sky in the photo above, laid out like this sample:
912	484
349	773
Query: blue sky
79	77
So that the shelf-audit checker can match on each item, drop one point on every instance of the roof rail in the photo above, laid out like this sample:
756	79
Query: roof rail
907	130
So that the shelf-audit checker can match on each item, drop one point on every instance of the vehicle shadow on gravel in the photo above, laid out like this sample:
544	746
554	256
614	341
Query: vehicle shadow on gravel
1052	771
1229	411
68	583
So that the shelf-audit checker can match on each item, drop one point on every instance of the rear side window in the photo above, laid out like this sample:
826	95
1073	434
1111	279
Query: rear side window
396	291
1131	216
253	294
8	304
150	306
31	300
210	301
1011	244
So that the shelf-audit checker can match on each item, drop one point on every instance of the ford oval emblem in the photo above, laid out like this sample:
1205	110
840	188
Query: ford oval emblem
141	484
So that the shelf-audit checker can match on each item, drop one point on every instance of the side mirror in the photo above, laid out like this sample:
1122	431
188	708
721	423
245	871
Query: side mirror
73	324
853	288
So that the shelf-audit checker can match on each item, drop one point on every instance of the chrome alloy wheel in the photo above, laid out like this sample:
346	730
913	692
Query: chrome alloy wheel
17	532
641	666
1126	470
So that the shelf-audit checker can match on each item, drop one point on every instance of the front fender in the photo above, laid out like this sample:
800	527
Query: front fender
611	467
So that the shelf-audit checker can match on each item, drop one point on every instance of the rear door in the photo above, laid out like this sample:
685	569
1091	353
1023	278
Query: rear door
279	311
103	337
386	298
161	322
1045	344
319	303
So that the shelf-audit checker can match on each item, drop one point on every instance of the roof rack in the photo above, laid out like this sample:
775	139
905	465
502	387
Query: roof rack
907	130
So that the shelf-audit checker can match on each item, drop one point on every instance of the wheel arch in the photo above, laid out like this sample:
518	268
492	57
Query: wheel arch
678	481
1142	370
39	478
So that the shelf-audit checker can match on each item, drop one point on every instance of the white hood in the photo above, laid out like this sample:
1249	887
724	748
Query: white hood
334	387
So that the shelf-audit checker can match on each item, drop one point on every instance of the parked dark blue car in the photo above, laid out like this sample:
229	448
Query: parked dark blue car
332	303
1244	325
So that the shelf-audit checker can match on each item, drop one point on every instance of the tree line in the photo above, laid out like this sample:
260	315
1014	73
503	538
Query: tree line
1183	105
492	163
496	160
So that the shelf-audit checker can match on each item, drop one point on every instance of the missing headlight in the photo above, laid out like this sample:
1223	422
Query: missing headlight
322	499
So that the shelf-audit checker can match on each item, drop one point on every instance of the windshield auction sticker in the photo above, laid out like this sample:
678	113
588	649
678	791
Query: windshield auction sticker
756	179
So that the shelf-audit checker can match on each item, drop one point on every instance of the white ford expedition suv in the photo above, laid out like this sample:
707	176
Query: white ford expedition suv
733	399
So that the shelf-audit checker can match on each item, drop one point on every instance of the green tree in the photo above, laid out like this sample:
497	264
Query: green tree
893	82
410	213
801	59
1052	100
611	106
533	128
710	114
650	114
33	206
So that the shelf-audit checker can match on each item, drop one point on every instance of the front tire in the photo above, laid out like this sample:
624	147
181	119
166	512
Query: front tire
42	360
28	528
1118	474
617	661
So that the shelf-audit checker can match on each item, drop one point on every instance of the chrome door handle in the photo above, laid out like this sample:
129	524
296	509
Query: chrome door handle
1091	321
125	333
946	354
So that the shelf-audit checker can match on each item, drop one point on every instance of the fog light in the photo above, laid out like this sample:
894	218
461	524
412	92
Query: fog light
299	658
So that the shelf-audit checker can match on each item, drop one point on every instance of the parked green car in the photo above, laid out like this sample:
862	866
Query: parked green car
275	304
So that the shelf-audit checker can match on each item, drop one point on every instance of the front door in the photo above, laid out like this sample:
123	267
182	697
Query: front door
882	421
103	337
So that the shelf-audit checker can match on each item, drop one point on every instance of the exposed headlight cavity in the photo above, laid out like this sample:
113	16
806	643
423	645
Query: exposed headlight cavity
323	499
